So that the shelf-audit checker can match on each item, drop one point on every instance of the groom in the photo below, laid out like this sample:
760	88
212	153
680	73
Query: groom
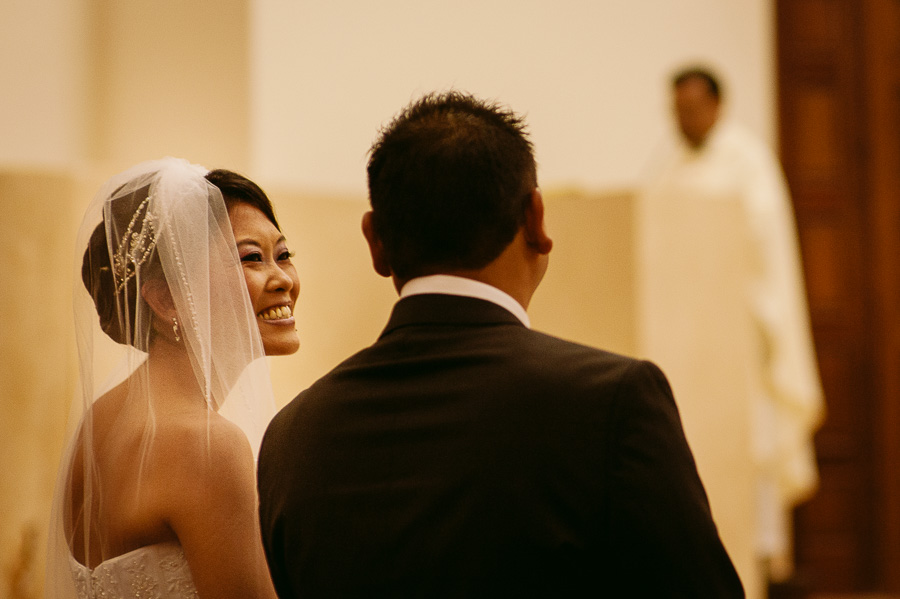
464	454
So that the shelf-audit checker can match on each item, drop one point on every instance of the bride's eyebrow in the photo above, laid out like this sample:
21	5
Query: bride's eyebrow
253	241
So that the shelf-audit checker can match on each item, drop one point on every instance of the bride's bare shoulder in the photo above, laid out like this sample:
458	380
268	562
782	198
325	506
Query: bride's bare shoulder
202	441
208	476
182	434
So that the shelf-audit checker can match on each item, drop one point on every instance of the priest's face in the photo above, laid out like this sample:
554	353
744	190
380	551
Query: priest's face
696	110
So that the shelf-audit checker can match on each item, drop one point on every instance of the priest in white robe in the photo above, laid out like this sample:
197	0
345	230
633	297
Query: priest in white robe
723	311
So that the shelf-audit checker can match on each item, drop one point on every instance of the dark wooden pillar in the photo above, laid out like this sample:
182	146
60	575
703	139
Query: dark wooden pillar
839	92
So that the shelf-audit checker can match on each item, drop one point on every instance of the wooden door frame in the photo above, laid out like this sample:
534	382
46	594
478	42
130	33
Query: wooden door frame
843	57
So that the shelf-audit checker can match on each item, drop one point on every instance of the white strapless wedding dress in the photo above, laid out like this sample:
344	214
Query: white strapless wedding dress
153	572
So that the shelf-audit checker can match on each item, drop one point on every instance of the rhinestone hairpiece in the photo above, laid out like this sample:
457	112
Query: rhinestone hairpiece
135	246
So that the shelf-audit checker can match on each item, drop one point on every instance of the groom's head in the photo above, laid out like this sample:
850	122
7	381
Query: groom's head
451	179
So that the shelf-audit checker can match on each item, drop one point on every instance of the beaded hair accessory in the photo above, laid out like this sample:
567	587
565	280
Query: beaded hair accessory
135	246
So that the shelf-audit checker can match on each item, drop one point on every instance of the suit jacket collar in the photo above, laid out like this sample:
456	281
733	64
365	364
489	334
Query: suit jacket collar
439	309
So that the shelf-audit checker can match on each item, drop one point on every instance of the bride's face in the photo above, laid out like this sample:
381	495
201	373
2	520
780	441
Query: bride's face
271	277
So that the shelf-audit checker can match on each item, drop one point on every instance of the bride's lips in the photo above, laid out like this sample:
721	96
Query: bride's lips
281	314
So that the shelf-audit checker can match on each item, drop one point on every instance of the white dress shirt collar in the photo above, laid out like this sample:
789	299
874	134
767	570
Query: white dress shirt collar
452	285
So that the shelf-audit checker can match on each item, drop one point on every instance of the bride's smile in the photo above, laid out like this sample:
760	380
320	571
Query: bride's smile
278	315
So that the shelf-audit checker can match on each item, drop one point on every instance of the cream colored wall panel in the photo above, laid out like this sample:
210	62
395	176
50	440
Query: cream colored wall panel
587	294
37	364
592	77
44	65
172	79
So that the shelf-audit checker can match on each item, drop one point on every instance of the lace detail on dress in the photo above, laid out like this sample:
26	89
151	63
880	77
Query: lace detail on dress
153	572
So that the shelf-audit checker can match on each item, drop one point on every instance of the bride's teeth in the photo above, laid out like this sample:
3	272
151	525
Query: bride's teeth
276	313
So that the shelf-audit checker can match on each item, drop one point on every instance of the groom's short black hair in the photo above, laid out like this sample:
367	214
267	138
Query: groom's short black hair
449	181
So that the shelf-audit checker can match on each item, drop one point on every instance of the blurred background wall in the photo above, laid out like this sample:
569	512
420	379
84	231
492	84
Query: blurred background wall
292	94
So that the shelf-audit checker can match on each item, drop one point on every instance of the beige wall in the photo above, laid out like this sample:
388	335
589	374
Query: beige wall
592	76
170	78
587	295
103	83
37	374
44	77
295	91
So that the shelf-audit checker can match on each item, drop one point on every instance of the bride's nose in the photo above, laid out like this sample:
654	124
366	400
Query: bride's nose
280	279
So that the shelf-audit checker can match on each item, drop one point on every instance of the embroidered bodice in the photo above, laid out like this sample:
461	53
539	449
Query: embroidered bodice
153	572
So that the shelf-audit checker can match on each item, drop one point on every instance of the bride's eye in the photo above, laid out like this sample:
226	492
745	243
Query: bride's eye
285	255
252	257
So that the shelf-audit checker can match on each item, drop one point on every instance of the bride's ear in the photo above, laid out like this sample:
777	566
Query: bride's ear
156	293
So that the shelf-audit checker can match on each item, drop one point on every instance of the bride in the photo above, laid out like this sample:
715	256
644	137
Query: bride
184	283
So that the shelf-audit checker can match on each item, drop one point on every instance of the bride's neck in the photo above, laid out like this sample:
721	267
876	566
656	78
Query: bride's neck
171	371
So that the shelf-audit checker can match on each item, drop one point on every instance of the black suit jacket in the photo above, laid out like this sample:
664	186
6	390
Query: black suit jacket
465	455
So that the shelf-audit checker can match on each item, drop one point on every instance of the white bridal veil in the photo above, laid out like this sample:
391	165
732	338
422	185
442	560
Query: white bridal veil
160	222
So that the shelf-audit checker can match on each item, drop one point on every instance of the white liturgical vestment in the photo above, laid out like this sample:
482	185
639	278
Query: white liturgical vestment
722	309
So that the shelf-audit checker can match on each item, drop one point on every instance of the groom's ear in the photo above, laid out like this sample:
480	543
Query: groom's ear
376	248
535	227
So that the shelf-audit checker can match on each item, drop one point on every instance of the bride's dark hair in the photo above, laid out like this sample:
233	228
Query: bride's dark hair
238	189
117	300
